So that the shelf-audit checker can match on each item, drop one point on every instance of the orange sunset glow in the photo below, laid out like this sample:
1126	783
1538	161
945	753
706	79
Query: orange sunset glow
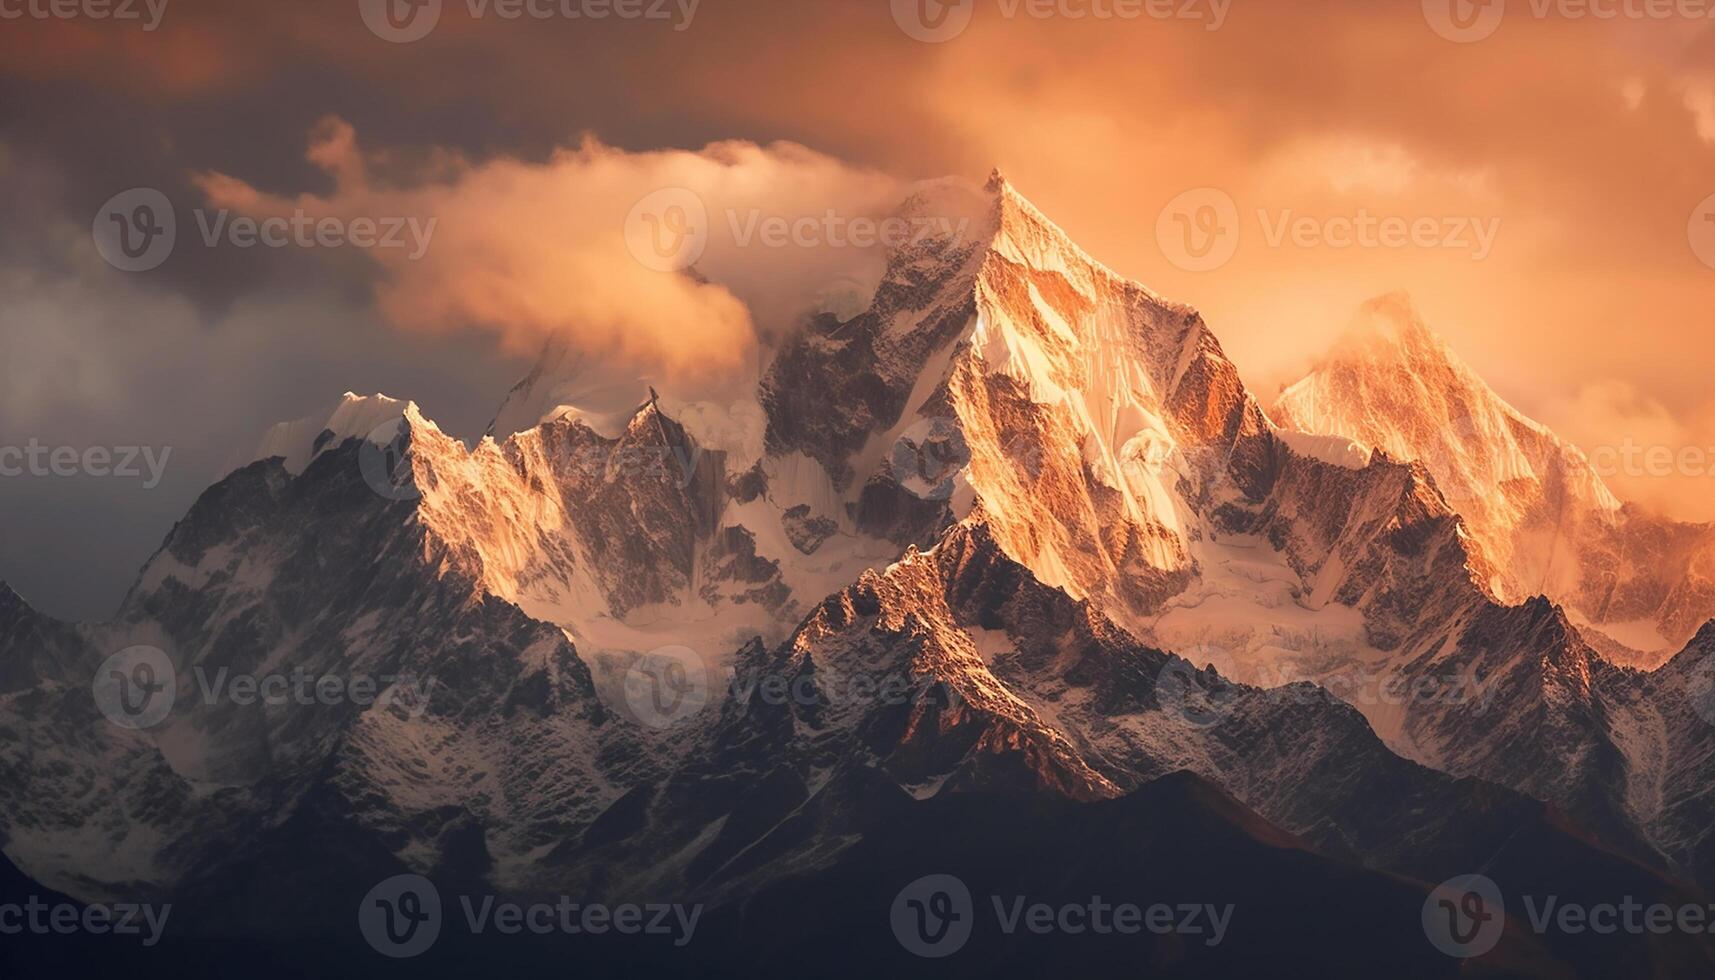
857	488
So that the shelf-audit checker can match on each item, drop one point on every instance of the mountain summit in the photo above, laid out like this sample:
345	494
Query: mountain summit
1027	496
1535	508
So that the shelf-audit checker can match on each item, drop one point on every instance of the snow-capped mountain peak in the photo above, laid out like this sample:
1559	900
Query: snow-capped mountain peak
1394	384
1534	506
1018	482
565	381
377	418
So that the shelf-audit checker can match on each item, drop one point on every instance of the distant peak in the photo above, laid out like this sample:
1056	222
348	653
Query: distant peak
1390	321
996	181
566	380
375	417
378	404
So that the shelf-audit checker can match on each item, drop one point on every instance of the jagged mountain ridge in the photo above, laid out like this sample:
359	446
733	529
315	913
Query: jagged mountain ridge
1192	518
1100	430
1534	505
1025	416
318	573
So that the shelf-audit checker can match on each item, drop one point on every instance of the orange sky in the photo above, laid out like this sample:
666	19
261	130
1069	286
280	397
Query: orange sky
1586	146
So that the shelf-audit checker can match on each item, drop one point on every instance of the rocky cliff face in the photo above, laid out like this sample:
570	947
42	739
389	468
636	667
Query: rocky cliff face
988	540
1534	506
